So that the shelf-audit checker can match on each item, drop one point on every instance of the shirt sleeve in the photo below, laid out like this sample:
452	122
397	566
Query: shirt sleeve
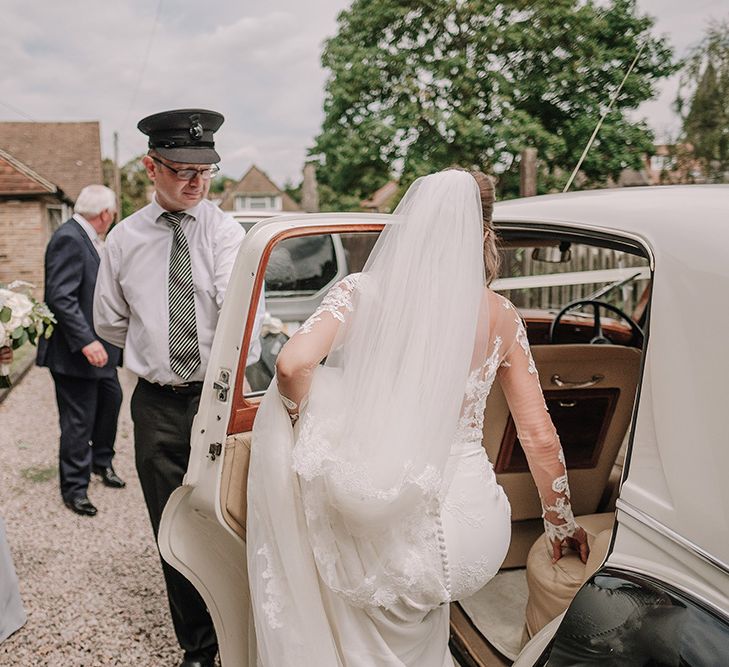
520	382
228	239
111	310
303	352
228	236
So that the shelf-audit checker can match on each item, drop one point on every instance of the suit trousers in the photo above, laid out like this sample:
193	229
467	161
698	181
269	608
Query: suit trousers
88	410
162	422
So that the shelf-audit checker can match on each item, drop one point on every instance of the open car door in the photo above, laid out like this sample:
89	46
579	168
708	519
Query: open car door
202	532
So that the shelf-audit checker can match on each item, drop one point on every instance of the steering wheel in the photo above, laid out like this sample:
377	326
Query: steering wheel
598	337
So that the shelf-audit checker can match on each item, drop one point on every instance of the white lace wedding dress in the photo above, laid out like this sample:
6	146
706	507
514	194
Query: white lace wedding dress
298	561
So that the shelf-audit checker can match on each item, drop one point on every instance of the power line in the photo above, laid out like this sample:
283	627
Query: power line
604	115
17	111
144	63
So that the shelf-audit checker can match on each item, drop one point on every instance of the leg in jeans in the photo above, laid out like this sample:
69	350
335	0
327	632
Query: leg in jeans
162	422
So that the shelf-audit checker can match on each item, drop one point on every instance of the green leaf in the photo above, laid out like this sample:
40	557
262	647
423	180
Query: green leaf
17	333
21	340
47	333
5	314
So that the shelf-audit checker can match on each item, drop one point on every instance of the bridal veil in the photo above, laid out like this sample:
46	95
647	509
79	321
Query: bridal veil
343	509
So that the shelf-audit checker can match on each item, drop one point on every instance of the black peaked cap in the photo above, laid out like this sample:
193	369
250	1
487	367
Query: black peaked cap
183	135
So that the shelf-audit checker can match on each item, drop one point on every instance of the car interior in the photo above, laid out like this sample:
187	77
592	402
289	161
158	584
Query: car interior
585	302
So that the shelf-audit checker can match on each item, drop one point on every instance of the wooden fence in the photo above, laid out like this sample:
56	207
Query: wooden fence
519	262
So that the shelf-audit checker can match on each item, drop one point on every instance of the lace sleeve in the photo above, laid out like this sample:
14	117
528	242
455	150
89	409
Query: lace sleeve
303	352
520	382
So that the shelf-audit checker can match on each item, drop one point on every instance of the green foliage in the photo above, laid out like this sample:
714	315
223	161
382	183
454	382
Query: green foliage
134	184
219	183
293	191
703	102
418	86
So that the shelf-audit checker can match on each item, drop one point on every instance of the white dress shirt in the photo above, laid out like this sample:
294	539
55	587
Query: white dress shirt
90	232
131	308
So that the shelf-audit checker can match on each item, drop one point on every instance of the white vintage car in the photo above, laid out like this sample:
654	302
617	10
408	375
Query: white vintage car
624	295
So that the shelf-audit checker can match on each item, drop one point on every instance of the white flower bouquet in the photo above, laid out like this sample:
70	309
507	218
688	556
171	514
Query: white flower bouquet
22	319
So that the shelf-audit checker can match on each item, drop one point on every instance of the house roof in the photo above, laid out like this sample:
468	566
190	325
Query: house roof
17	178
255	182
66	154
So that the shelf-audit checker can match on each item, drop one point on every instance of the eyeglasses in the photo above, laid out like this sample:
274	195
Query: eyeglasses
189	174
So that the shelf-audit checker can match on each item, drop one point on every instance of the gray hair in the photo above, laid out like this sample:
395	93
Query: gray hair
94	199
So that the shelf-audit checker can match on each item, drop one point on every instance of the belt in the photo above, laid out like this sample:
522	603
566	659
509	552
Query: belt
184	389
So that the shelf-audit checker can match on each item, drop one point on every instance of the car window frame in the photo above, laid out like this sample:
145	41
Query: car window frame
244	407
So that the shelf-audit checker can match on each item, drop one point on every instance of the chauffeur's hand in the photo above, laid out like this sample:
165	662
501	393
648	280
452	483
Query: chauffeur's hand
578	542
95	354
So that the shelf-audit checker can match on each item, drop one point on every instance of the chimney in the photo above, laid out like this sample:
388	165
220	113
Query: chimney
309	189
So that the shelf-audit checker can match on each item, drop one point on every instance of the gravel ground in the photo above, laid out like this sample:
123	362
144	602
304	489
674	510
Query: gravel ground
92	586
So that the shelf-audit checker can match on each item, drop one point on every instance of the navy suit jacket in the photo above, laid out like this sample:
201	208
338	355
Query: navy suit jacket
72	264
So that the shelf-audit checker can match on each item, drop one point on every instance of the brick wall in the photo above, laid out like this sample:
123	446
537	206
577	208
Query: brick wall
24	234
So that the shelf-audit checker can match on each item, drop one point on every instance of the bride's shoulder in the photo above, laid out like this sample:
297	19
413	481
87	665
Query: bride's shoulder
496	300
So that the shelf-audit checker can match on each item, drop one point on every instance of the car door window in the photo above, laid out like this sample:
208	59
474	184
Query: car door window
299	273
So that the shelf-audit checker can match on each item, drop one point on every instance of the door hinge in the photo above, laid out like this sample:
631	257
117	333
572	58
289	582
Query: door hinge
214	451
222	385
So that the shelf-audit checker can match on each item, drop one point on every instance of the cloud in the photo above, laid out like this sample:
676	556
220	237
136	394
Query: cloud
112	62
257	63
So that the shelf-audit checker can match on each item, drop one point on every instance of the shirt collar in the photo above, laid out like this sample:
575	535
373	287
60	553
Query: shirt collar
157	210
86	226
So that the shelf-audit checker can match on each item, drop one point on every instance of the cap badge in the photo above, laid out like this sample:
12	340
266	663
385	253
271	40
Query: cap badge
196	129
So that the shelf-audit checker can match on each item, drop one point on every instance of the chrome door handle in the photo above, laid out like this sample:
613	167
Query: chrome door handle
579	384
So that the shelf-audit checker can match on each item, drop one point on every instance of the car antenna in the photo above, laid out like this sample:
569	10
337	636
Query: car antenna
602	118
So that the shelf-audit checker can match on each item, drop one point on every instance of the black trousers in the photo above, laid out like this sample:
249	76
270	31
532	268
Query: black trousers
88	411
162	422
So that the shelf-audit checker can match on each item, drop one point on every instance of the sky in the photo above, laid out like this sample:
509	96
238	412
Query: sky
258	63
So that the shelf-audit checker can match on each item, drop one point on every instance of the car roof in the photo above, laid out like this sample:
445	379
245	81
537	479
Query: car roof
651	212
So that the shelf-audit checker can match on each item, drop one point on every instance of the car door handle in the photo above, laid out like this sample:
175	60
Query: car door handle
579	384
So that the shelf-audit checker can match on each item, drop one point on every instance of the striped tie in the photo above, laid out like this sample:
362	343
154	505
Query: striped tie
184	352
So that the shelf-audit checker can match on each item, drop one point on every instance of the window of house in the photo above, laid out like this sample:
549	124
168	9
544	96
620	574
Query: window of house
258	202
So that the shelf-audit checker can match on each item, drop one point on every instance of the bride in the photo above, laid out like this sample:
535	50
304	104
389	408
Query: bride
371	501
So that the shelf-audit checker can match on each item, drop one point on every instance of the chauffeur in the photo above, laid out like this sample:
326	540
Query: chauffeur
161	285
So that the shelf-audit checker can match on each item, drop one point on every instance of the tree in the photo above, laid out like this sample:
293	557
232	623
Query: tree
418	86
220	182
703	102
134	186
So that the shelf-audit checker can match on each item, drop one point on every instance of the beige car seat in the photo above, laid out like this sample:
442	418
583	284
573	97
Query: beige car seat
553	585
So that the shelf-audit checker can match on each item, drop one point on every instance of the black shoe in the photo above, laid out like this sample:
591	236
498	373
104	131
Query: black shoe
110	478
198	662
81	505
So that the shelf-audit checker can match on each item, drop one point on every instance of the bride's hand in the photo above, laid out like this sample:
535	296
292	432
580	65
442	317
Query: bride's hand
578	542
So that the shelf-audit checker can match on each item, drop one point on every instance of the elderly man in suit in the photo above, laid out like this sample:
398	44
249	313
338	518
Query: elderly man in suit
83	366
